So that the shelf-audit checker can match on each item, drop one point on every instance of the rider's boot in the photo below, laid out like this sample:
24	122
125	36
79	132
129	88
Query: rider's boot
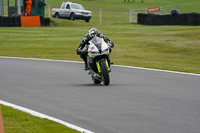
86	65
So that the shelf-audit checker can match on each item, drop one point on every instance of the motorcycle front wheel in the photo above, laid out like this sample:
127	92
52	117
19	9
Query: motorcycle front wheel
105	73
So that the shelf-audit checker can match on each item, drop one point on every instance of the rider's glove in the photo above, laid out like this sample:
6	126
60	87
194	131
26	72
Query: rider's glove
84	51
110	44
81	51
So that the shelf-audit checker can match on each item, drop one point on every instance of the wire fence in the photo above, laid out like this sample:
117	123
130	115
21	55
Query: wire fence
1	8
105	16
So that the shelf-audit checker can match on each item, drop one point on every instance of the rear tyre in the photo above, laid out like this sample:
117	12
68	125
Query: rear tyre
72	17
105	74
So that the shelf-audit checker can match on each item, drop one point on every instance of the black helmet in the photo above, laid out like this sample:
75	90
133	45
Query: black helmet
93	32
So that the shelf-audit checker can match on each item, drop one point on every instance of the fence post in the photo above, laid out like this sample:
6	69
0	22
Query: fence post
131	16
100	17
18	7
49	10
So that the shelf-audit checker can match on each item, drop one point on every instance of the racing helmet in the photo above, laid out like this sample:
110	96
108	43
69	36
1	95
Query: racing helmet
93	32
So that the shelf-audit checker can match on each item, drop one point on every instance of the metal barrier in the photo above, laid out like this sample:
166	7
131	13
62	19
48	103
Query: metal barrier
191	19
16	21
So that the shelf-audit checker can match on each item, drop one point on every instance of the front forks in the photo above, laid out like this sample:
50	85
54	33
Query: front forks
99	67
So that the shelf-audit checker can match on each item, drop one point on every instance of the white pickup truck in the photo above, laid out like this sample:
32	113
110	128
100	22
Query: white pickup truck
72	11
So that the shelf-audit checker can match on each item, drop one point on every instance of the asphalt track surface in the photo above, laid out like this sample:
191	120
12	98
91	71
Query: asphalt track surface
137	100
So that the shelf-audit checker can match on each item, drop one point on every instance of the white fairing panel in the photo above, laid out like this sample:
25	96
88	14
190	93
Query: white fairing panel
92	48
104	45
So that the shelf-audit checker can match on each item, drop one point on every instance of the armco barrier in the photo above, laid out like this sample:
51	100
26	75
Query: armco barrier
16	21
191	19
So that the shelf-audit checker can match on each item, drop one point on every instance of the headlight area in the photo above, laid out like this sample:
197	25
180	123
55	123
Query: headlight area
77	12
94	52
106	51
80	13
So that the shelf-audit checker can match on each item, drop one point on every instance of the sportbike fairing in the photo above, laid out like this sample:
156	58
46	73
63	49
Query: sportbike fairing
97	46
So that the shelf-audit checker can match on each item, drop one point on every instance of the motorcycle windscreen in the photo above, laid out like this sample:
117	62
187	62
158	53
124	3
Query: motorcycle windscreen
97	42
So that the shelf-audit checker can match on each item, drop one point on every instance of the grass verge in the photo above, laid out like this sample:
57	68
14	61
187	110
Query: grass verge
19	122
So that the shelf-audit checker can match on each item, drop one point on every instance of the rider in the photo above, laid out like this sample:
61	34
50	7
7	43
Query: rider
82	51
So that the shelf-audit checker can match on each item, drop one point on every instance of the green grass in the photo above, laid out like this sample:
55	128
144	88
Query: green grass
18	122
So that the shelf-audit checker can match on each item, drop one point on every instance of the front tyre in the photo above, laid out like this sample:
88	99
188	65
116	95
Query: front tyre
87	20
105	73
56	15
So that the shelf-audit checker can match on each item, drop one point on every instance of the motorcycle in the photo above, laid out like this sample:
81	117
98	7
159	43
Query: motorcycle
98	60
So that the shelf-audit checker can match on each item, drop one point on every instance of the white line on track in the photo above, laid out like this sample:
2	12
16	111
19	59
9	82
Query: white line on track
34	113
